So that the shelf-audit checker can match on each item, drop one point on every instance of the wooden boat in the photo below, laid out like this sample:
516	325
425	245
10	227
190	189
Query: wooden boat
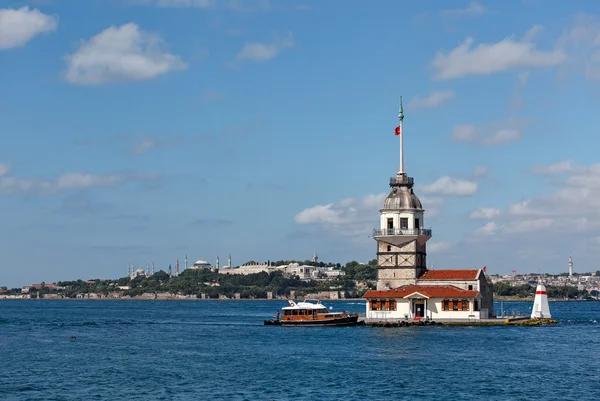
312	314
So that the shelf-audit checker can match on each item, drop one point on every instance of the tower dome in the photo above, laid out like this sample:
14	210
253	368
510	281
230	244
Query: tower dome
401	198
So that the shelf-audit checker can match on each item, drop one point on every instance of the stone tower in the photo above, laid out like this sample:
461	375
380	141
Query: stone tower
570	266
401	238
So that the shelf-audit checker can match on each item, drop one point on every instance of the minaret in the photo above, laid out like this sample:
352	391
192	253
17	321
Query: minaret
401	238
177	268
153	268
170	271
128	270
217	262
541	309
570	266
315	258
229	261
185	267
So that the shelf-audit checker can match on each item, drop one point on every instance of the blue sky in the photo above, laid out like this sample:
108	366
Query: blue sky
149	129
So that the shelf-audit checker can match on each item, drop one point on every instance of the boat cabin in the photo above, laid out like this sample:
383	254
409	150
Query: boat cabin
307	311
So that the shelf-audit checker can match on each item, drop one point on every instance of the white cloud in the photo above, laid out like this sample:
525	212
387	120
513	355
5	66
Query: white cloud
177	3
237	5
558	168
464	133
435	99
485	213
356	217
433	206
582	43
501	137
487	229
479	172
319	214
264	51
484	59
522	77
118	54
451	187
473	8
349	217
86	180
542	231
440	246
144	145
525	226
574	207
17	27
492	134
4	169
66	181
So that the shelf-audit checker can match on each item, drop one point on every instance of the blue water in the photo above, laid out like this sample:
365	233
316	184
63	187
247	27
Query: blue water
211	350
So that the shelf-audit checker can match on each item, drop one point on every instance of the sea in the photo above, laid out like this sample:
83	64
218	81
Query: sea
220	350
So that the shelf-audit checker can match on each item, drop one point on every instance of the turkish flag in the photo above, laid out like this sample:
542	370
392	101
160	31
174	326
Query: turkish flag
398	130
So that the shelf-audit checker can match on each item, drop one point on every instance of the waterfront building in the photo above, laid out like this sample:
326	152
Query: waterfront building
250	268
406	288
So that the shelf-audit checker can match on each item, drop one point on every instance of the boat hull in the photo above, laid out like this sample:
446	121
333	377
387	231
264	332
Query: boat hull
349	320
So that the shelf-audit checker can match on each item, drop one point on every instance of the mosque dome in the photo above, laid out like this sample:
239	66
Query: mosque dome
401	198
201	262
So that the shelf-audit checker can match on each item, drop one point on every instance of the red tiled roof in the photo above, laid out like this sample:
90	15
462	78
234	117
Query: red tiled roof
429	291
38	286
450	275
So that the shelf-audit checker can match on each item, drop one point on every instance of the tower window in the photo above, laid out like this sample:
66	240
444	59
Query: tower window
417	223
404	223
390	223
389	248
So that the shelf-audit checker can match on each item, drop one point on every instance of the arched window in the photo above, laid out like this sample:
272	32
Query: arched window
389	248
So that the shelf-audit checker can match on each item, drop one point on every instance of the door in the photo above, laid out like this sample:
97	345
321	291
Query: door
419	309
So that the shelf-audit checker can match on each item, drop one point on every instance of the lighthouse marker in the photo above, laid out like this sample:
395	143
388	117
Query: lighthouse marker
541	309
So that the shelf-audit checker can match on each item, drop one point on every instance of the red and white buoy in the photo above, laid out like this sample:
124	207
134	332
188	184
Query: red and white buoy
541	309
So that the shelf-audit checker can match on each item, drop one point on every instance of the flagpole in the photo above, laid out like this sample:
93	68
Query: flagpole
401	118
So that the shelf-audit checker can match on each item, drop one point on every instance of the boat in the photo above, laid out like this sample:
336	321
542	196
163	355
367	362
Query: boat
307	313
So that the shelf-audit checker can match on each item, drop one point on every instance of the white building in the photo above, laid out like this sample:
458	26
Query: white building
406	289
250	269
201	264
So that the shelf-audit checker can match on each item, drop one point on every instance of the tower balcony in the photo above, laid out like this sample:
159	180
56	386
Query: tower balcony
398	236
402	181
402	231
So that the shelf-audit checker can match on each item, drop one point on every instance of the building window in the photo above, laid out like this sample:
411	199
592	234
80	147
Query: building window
470	288
417	224
389	248
390	224
476	305
383	305
456	305
404	223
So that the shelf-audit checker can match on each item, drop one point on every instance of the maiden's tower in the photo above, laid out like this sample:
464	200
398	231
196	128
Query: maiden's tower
405	287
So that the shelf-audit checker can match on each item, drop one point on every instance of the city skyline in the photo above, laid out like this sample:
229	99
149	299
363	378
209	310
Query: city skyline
266	130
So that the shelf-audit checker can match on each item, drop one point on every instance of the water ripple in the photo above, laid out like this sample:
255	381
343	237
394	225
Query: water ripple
221	351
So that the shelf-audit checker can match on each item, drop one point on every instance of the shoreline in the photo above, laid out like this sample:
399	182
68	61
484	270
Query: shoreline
175	298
